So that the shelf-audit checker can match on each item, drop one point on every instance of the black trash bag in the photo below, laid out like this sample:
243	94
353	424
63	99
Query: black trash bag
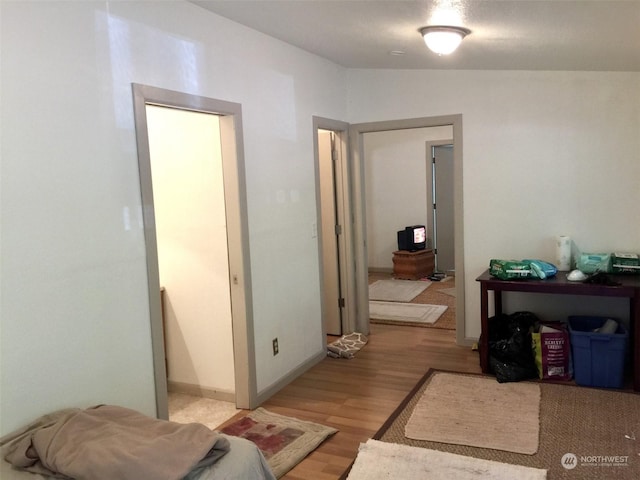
511	355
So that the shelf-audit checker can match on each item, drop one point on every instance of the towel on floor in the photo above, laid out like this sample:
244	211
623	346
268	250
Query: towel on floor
107	442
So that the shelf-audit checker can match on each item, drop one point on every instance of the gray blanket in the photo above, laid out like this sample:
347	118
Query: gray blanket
109	442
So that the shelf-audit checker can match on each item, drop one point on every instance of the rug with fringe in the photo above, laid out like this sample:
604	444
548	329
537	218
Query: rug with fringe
284	441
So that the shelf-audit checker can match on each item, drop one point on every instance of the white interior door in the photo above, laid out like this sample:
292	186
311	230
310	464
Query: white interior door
332	311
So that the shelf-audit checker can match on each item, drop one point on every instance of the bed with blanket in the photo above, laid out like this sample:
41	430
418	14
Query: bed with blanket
111	442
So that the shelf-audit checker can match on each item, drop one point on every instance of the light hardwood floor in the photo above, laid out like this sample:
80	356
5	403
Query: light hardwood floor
356	396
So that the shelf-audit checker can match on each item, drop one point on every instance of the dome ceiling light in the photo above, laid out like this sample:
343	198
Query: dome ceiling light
442	39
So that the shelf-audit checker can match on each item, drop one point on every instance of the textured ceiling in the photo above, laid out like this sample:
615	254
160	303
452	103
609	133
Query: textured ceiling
589	35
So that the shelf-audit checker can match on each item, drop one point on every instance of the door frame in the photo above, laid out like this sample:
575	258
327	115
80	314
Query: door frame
237	236
356	134
430	144
343	209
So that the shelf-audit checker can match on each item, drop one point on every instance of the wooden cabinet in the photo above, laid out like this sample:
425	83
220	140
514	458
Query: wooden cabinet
413	265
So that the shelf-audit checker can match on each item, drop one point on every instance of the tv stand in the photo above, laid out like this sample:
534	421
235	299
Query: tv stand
413	265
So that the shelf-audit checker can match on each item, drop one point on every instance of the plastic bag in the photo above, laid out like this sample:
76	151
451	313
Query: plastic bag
542	269
514	269
510	269
594	262
510	353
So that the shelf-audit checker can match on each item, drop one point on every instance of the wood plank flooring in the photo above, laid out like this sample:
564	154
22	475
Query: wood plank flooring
356	396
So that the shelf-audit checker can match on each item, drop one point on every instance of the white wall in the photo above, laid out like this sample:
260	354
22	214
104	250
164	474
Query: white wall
545	153
193	261
396	187
74	312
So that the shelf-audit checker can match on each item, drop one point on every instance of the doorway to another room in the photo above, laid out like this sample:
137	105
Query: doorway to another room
358	134
191	233
404	190
194	216
441	205
334	229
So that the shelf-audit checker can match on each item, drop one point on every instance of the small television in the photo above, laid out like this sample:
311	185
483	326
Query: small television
412	238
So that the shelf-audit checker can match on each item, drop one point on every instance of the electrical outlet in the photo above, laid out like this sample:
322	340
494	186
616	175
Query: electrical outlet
275	346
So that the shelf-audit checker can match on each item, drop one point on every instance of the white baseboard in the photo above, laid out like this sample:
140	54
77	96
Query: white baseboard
274	388
200	391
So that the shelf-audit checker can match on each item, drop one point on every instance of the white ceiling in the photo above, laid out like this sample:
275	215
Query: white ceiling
587	35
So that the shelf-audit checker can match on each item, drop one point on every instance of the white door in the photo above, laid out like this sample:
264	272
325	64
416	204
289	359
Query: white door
443	215
331	291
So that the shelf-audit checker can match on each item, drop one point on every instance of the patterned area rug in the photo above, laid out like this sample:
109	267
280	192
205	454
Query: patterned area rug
390	461
580	428
398	313
347	346
284	441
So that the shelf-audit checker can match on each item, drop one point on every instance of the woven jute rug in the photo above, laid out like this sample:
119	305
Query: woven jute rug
470	410
585	433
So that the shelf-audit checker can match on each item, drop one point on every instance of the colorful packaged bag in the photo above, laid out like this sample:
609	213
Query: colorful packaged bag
510	269
552	351
514	269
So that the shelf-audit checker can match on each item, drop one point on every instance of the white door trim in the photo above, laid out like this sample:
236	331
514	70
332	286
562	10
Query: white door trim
237	228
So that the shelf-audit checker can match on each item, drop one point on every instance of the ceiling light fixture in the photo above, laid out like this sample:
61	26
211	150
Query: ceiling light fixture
442	39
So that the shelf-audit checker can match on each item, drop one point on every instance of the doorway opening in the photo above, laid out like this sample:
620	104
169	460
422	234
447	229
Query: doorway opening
237	283
441	205
399	189
335	246
357	132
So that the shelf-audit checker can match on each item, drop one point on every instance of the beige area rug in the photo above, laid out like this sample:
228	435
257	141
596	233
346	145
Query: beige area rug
397	290
467	410
284	441
208	411
388	461
405	313
576	423
430	296
347	346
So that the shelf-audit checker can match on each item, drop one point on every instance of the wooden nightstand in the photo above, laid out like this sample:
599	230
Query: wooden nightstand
413	265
